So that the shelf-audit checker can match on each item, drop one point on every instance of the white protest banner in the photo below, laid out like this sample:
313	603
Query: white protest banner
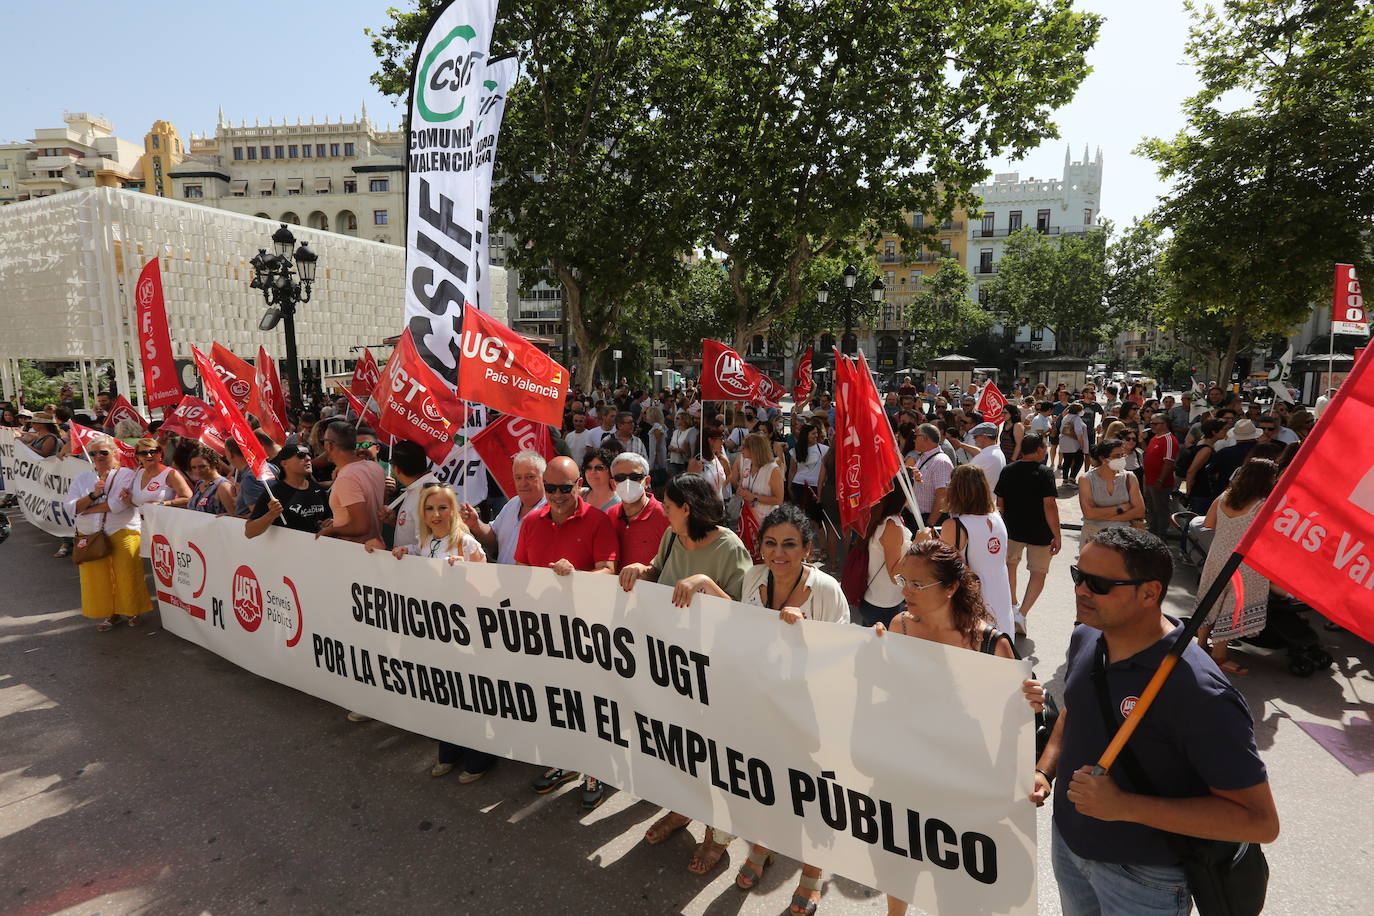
441	226
40	483
899	763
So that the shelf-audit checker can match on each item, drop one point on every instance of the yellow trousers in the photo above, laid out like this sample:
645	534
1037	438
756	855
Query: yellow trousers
115	584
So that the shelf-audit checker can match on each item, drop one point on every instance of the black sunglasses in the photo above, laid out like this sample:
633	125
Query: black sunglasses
1100	585
101	452
620	478
559	487
145	452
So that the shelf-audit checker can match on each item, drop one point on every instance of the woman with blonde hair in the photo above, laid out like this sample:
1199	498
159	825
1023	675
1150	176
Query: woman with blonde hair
155	483
761	484
112	587
976	530
443	535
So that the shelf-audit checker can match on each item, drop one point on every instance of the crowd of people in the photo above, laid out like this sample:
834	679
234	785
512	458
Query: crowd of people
738	500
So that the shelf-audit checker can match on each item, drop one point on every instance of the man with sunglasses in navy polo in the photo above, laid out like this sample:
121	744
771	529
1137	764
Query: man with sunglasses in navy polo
1195	747
567	534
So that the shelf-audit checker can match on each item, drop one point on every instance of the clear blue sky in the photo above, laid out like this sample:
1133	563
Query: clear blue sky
278	60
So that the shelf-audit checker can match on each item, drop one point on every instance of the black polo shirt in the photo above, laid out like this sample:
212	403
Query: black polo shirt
1197	734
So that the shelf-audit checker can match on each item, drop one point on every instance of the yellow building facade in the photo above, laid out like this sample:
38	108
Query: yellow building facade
162	150
903	268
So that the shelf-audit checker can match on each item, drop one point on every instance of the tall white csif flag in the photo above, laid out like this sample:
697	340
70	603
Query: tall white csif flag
500	77
443	238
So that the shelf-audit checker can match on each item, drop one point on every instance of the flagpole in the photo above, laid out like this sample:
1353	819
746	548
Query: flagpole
902	480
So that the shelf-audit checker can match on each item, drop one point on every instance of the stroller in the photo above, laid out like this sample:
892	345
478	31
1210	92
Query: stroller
1193	539
1286	628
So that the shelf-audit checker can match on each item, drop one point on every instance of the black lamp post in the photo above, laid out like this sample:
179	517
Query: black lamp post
846	288
283	289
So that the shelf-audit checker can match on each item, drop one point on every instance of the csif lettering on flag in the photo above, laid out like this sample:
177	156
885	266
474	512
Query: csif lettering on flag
365	375
990	402
154	342
196	420
269	402
506	437
231	417
82	436
802	382
123	410
415	404
503	370
442	234
1348	314
238	376
1314	536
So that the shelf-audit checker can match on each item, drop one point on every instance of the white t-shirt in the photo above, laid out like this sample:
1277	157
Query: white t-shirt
437	549
1040	423
991	460
122	514
577	444
986	549
826	601
809	471
507	526
408	513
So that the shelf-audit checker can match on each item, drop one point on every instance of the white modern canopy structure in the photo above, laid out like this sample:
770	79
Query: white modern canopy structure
69	264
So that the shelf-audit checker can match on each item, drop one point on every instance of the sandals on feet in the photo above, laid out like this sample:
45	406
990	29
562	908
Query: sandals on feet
751	872
665	826
63	552
109	623
707	856
1232	667
135	621
802	905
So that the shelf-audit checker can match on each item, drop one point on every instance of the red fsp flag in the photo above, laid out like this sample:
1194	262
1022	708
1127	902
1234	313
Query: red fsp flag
990	403
801	379
866	456
238	377
414	403
82	436
194	419
503	439
154	343
1314	536
231	417
503	370
365	375
269	402
123	410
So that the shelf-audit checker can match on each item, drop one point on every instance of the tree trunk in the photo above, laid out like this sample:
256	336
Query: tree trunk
1228	359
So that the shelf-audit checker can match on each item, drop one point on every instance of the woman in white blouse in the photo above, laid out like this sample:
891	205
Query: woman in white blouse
113	589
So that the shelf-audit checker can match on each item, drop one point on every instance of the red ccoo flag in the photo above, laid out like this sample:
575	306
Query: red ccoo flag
365	375
82	436
503	370
238	377
990	403
230	416
1314	536
123	410
503	439
414	403
802	383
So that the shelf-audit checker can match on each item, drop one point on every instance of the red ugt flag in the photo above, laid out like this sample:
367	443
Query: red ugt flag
501	369
866	457
194	419
269	402
725	376
414	403
366	415
503	439
230	416
365	375
802	383
154	343
82	436
123	410
990	403
238	377
1314	536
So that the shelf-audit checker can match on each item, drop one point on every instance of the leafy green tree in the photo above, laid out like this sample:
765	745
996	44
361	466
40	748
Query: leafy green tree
942	315
1273	176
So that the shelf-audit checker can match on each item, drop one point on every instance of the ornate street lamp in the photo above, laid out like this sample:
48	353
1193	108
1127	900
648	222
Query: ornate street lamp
845	289
283	288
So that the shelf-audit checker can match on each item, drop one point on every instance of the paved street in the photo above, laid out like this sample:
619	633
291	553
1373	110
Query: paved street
140	774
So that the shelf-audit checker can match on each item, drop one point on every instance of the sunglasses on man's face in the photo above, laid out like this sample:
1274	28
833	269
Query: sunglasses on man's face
1100	585
621	478
362	445
564	488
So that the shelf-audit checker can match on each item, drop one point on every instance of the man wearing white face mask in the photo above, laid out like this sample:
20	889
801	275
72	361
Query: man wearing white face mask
639	519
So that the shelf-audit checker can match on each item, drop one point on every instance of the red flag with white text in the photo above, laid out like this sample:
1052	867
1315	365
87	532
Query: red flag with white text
154	343
365	375
123	410
990	403
1314	536
82	436
725	376
766	391
415	404
194	419
1348	312
366	415
231	417
866	457
239	378
504	438
801	379
269	401
503	370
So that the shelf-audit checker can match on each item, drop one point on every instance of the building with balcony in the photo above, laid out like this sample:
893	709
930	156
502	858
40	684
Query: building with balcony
83	153
347	176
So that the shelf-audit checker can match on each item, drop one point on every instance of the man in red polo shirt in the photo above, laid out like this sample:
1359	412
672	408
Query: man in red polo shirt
1160	456
567	534
639	520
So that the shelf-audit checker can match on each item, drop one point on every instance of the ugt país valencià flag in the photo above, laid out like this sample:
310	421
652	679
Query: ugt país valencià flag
990	402
82	436
504	438
1314	536
237	375
194	419
231	417
866	457
501	369
414	403
365	375
124	410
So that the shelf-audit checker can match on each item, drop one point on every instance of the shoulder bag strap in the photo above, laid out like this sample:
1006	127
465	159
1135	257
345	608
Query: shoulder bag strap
1111	722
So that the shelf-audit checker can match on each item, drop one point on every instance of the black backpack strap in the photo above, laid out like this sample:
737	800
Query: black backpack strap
1110	720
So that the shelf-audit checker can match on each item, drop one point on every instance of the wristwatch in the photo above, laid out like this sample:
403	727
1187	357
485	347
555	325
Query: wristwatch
1120	510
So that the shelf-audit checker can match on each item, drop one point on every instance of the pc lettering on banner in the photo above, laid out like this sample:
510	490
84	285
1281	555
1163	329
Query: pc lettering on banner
506	437
154	341
123	410
415	404
231	417
443	237
238	376
505	371
1314	536
575	672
